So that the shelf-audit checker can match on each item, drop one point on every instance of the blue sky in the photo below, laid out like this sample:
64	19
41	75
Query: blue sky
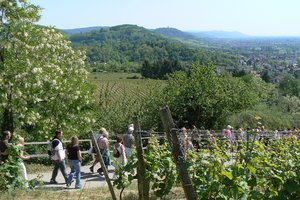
253	17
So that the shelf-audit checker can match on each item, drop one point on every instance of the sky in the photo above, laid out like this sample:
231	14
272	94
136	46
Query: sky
252	17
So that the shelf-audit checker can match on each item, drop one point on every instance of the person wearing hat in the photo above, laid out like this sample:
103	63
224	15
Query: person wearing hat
128	140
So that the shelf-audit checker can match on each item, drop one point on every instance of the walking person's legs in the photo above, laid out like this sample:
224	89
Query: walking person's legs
77	167
71	175
94	163
54	173
62	167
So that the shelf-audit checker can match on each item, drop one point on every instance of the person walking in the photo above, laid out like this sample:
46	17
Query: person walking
22	157
119	154
4	146
195	138
75	158
58	157
128	140
103	145
101	132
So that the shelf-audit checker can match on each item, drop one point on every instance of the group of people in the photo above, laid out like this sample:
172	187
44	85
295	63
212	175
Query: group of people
124	147
194	139
122	151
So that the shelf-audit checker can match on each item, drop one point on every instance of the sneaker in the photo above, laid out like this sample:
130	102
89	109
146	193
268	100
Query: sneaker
99	170
92	169
53	181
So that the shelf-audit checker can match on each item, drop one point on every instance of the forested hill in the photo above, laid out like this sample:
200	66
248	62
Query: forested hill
173	32
81	30
126	47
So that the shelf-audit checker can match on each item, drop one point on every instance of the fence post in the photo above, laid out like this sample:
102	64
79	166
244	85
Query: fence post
177	153
143	184
113	195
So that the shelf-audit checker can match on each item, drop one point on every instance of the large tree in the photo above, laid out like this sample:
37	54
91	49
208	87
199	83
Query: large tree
206	98
43	83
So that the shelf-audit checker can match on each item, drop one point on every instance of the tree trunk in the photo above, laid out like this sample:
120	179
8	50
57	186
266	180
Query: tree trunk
8	121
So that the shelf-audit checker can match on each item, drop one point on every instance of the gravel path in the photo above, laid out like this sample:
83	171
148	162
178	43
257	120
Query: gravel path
88	179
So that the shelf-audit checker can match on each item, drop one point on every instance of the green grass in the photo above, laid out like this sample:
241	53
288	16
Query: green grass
101	193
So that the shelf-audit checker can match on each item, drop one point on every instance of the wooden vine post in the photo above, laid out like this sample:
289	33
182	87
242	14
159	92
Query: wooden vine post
111	188
177	153
143	183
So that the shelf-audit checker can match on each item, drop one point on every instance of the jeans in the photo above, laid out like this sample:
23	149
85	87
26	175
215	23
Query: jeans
59	165
75	170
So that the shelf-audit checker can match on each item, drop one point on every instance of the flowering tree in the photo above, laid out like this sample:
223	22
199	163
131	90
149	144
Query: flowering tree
43	80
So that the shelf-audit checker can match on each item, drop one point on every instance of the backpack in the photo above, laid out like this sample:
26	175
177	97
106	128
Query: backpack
117	153
50	149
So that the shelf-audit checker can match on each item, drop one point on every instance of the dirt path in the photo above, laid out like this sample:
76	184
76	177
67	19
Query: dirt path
88	179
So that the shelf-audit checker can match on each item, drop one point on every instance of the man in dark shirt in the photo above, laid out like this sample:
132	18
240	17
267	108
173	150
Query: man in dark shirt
4	146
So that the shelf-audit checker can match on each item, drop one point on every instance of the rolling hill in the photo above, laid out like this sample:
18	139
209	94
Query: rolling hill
81	30
126	47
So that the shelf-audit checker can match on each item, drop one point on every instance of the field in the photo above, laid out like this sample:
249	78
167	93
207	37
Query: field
120	96
123	84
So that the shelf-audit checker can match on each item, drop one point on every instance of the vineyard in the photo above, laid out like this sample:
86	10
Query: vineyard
121	95
122	85
258	166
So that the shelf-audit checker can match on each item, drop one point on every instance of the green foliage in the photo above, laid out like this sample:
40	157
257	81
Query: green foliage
125	174
247	170
125	47
160	169
289	86
10	172
272	117
159	70
205	98
43	80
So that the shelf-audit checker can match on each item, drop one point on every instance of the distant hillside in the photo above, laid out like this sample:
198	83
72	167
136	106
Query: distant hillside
126	47
219	34
81	30
173	32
